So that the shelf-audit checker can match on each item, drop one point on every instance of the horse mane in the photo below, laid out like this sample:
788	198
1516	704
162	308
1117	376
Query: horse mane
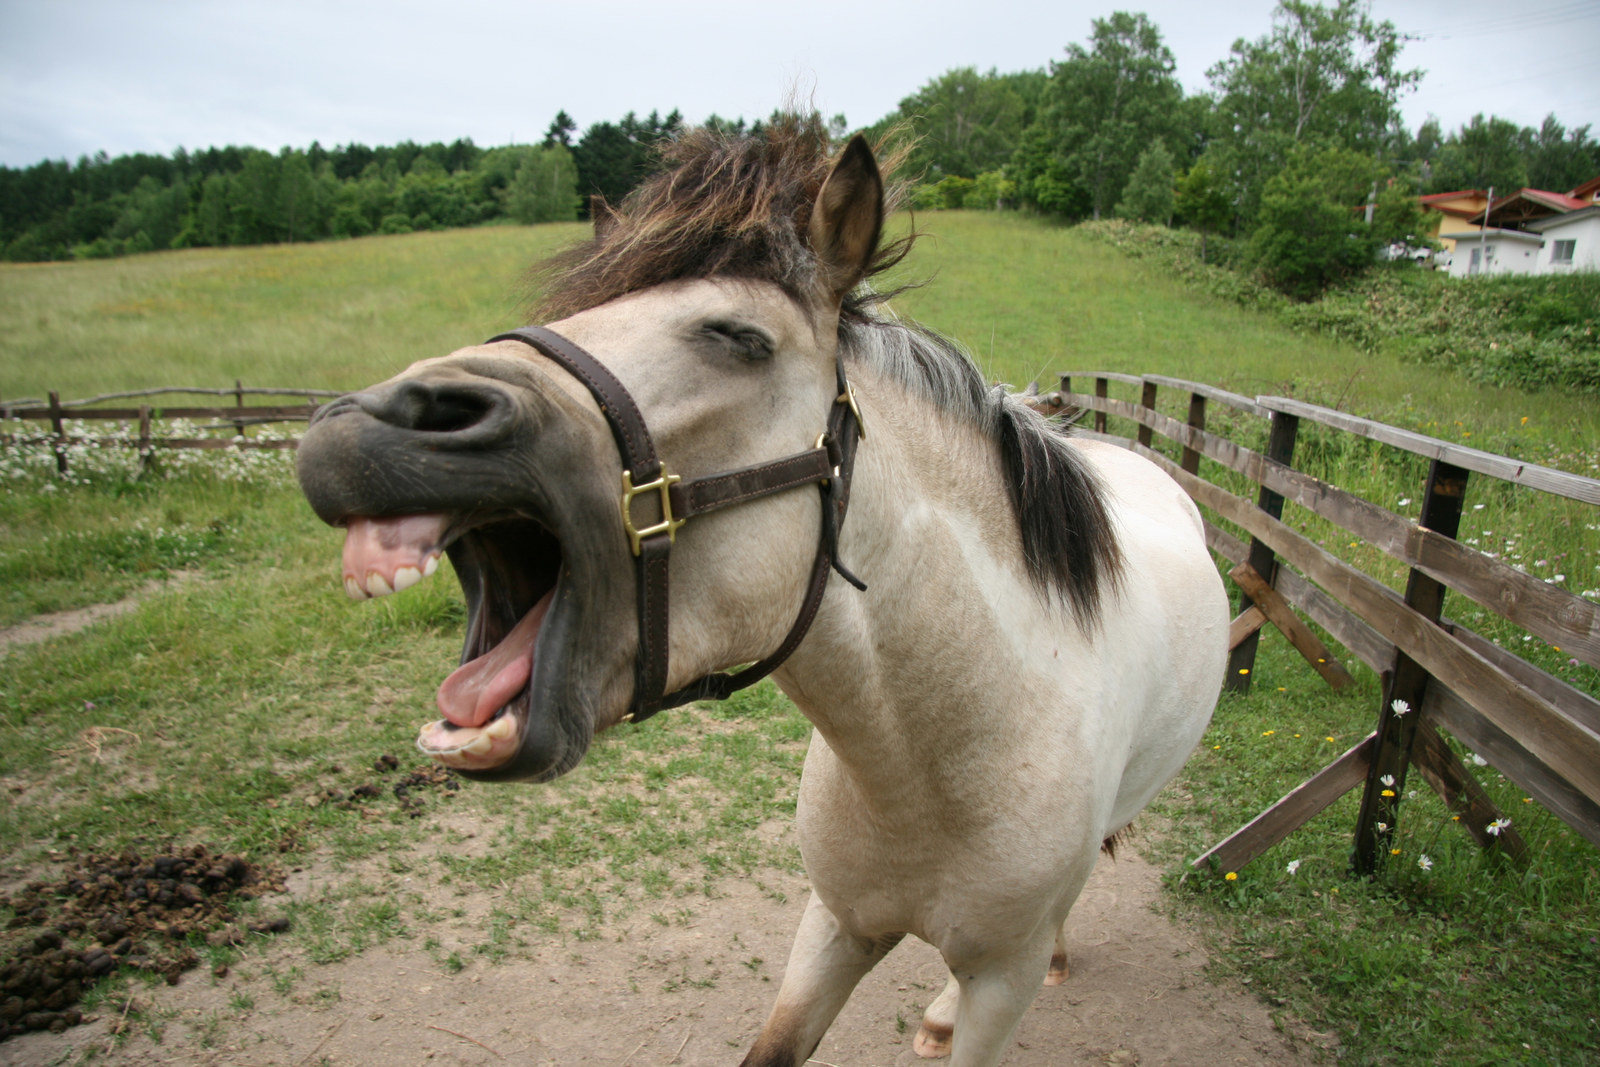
1068	540
739	206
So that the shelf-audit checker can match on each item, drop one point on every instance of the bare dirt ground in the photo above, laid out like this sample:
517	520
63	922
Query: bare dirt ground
692	992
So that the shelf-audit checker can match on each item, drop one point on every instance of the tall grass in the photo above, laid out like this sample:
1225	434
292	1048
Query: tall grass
244	708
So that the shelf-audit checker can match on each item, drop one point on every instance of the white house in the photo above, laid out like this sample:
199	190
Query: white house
1571	241
1496	252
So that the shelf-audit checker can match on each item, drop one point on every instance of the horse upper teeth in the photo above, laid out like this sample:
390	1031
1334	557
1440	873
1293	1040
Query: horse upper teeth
406	577
430	565
376	586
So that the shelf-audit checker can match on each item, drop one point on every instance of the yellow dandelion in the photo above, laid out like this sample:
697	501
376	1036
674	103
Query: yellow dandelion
1388	792
1244	670
1394	852
1268	733
1232	876
1328	739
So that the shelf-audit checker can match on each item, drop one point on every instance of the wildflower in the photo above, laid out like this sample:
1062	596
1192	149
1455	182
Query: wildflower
1404	501
1328	739
1480	507
1394	852
1387	780
1479	761
1268	733
1232	876
1383	828
1244	670
1294	865
1388	792
1398	706
1498	825
1425	862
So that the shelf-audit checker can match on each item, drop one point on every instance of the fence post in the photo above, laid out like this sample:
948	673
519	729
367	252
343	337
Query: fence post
144	436
238	397
60	432
1100	416
1280	447
1197	419
1407	681
1147	400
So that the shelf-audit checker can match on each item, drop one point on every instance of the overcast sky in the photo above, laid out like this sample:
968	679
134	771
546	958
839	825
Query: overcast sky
80	76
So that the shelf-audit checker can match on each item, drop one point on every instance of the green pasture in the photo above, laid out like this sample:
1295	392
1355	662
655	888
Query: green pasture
244	701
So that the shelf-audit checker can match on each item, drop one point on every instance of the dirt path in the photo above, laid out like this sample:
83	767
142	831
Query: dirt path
690	992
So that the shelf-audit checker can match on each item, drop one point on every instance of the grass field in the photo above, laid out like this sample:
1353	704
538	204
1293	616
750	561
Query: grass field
227	708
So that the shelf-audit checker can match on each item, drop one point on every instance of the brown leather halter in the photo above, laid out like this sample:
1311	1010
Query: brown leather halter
644	474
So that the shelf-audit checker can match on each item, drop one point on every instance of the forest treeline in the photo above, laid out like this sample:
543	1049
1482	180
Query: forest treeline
1297	129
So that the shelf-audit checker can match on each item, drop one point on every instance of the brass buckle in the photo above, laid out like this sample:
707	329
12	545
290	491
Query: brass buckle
668	525
849	397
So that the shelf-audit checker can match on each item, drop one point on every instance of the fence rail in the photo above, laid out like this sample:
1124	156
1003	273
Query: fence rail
1540	732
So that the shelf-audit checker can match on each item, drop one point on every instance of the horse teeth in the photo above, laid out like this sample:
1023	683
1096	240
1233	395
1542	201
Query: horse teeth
430	565
406	577
479	746
376	586
352	588
501	728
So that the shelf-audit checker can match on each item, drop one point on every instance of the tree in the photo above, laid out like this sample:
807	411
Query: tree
1148	195
1328	77
1560	159
1202	201
1311	231
964	123
561	130
1483	154
545	187
1108	102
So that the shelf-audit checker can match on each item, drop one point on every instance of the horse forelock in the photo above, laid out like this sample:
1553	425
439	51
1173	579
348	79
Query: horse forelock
729	206
1068	538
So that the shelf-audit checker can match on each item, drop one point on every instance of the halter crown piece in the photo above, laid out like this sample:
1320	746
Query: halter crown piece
829	465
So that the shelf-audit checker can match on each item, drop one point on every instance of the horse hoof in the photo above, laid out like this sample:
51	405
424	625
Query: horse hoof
1057	972
932	1041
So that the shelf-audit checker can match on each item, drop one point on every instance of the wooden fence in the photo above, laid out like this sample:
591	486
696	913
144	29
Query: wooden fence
1534	728
229	422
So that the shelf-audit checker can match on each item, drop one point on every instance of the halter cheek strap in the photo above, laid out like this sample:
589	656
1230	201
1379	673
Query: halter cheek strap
829	466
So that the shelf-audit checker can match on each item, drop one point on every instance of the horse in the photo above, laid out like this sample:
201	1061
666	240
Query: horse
723	456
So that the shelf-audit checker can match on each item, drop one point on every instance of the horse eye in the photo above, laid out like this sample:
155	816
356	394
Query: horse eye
747	343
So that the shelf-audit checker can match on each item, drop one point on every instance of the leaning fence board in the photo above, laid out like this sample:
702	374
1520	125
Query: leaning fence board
1469	726
1276	608
1570	749
1436	761
1292	811
1561	483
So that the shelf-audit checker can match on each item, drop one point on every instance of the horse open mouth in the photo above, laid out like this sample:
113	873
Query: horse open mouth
509	568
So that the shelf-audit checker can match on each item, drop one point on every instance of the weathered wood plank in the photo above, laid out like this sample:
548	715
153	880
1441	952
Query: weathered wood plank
1249	621
1571	750
296	412
1293	811
1211	392
1469	726
1272	604
1110	376
1561	483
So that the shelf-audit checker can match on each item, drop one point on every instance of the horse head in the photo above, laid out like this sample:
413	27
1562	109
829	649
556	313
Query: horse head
508	458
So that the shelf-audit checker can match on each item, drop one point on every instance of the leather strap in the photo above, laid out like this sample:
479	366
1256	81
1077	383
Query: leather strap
829	465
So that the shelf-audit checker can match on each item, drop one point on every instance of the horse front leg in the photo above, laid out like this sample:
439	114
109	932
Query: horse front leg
824	966
973	1019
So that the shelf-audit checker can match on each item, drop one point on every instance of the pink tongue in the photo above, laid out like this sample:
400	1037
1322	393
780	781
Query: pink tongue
475	691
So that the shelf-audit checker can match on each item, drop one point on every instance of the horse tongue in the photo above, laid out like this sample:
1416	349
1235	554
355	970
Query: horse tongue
479	688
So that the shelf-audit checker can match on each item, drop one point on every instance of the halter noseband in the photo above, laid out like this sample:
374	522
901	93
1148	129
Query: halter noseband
644	474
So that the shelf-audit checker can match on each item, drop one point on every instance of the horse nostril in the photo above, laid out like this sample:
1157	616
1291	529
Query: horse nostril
449	407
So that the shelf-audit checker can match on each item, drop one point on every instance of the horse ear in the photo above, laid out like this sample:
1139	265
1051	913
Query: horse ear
603	216
847	218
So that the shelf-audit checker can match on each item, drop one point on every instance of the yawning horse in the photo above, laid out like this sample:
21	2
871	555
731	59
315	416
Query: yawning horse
723	450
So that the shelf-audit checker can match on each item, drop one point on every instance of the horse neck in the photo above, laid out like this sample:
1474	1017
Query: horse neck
943	626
